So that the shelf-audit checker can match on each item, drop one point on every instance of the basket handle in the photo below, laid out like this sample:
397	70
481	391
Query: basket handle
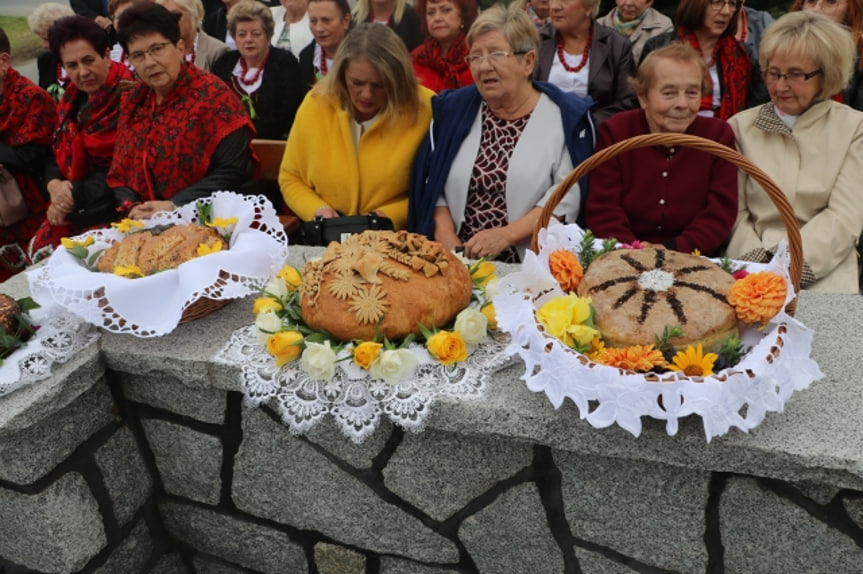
795	243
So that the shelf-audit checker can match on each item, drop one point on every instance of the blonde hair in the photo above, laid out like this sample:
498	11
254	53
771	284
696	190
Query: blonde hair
194	8
515	24
815	36
676	52
46	14
382	48
249	11
362	11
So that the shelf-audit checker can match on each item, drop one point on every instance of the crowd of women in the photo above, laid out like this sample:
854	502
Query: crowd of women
447	121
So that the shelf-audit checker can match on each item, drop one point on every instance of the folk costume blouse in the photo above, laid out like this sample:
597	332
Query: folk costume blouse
27	121
198	140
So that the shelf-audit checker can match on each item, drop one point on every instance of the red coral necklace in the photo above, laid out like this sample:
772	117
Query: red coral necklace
584	55
244	71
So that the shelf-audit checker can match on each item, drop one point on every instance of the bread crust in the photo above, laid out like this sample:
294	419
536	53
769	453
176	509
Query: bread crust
156	252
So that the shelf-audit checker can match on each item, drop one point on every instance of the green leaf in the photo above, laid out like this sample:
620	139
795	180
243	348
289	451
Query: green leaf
662	343
94	257
79	251
27	304
204	212
426	333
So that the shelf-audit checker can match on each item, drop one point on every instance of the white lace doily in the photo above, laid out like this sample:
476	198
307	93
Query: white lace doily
60	336
777	365
153	305
355	401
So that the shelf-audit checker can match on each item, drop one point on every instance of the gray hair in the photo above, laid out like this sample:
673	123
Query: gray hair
516	26
46	14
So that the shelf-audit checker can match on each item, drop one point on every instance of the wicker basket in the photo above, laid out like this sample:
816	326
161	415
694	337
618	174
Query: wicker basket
795	246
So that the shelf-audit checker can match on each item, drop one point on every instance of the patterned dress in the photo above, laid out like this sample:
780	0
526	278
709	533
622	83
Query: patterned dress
486	195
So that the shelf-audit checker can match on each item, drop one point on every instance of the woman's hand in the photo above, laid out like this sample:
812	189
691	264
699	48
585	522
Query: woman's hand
55	216
326	212
60	191
487	242
149	208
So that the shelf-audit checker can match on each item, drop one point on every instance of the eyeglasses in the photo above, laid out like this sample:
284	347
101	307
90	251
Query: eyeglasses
794	77
719	4
494	58
155	51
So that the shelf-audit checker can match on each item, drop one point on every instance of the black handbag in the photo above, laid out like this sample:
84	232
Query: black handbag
322	231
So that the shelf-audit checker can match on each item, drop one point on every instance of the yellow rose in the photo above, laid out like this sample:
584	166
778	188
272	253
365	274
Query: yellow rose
71	243
490	314
285	346
447	347
204	249
366	353
223	222
483	273
131	271
266	304
291	276
563	318
127	224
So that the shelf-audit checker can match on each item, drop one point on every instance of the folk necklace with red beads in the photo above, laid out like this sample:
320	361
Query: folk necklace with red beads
244	69
323	62
584	54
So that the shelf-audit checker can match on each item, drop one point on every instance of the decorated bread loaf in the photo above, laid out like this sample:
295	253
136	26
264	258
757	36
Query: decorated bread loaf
159	248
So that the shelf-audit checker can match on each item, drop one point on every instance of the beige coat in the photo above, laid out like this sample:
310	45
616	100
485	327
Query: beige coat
208	51
654	24
819	166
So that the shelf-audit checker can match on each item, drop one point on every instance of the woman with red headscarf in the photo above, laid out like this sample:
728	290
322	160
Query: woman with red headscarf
439	62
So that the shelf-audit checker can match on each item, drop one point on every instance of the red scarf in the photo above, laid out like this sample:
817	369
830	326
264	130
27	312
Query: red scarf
450	66
167	147
88	128
734	68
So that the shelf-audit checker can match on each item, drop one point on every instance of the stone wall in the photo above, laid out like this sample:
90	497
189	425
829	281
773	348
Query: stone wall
139	456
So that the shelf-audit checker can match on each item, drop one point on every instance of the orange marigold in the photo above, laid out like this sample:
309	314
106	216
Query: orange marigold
566	268
758	297
640	358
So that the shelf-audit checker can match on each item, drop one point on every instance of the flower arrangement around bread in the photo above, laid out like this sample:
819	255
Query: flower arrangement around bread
646	309
367	299
16	327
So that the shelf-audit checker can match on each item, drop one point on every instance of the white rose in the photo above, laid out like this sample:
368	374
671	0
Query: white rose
319	361
393	366
267	323
277	288
472	325
492	287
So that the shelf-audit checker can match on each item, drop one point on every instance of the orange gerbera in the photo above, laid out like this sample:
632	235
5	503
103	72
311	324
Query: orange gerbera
566	268
758	297
640	358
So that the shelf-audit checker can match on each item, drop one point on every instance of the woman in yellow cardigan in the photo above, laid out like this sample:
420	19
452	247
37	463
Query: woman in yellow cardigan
355	135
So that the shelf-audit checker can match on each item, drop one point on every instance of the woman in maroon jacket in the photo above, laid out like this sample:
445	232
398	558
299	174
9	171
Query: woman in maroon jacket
682	198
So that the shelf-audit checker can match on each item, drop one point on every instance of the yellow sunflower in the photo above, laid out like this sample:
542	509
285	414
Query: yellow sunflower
693	362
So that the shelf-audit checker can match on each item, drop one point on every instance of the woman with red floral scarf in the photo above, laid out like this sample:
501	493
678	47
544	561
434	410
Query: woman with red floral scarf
439	62
182	133
87	130
734	80
27	120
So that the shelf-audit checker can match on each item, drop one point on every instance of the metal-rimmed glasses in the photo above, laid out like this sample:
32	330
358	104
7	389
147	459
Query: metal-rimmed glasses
493	58
154	51
719	4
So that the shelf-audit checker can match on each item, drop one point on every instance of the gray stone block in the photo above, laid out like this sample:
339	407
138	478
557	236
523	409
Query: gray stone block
820	493
67	510
202	403
649	511
332	559
512	535
132	554
189	462
207	566
170	564
281	477
766	533
441	472
29	453
126	477
237	541
399	566
328	435
854	508
595	563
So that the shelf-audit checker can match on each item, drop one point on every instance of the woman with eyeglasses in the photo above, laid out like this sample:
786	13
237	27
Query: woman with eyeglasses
811	146
579	55
182	134
267	80
439	61
733	80
848	13
497	149
201	49
86	135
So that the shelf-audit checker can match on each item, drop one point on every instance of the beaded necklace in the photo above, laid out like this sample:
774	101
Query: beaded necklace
584	54
244	70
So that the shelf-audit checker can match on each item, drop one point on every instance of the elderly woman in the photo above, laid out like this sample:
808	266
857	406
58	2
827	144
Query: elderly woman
498	149
357	132
27	120
639	21
329	21
811	146
52	75
201	49
397	14
84	141
578	55
439	62
537	10
182	133
848	13
682	198
267	80
734	80
292	32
